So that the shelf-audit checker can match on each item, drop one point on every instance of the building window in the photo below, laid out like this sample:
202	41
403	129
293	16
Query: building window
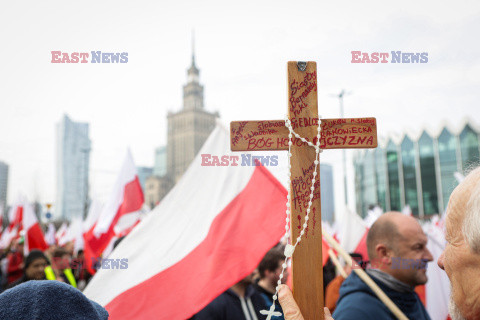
393	177
469	148
368	181
427	170
381	176
409	176
358	182
448	164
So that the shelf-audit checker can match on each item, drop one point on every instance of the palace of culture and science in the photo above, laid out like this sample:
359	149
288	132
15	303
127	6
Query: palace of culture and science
188	129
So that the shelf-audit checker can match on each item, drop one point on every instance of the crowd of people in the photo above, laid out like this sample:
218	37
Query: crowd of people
55	263
395	236
397	250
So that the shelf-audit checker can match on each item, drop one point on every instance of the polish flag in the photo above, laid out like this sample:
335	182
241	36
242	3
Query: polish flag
15	214
61	233
351	230
34	238
94	211
208	233
74	233
50	235
372	216
126	198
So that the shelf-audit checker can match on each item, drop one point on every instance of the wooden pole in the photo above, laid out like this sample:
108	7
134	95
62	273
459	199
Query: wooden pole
337	263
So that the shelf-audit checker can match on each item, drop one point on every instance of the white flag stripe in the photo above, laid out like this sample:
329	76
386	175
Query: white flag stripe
179	223
128	173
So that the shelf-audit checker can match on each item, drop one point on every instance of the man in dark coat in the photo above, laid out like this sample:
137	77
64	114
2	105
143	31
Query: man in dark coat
397	247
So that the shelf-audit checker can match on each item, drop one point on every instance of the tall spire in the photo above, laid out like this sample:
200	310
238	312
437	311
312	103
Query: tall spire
193	47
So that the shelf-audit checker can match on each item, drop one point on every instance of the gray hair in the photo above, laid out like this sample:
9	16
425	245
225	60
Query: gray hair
471	221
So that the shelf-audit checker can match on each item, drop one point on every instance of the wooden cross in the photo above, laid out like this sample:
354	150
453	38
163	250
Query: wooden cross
307	269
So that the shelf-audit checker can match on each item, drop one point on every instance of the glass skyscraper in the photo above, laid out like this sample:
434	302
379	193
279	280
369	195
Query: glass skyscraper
3	186
416	172
326	194
160	166
73	158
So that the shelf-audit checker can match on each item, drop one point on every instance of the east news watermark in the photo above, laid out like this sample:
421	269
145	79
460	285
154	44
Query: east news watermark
397	263
89	57
389	57
244	160
97	263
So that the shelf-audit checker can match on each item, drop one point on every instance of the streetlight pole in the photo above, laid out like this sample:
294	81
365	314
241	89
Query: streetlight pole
344	156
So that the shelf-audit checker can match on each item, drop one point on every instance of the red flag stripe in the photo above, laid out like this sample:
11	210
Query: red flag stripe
237	240
132	201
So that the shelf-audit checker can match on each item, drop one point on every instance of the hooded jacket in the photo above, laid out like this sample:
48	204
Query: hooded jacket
358	302
52	300
229	306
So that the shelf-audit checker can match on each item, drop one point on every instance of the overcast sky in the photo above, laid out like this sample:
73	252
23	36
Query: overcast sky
241	49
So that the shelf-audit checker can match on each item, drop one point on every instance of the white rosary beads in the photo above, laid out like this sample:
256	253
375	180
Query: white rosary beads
289	248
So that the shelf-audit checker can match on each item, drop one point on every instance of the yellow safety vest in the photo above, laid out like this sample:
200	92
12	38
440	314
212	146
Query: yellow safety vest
68	273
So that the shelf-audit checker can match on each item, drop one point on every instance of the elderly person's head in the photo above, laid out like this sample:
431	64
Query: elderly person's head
397	245
461	258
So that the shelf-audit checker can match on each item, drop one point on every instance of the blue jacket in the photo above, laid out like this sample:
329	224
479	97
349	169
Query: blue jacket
358	302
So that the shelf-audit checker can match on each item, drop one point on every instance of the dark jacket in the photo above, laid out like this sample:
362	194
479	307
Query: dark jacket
357	301
229	306
17	282
268	300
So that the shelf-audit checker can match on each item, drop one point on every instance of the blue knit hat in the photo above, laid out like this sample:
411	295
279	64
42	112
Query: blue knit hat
46	299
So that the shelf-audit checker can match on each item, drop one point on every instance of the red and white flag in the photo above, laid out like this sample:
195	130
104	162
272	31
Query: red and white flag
208	233
34	238
126	198
352	232
15	214
50	235
60	235
94	211
74	233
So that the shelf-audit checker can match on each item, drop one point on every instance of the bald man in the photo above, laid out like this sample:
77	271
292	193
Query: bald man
461	258
397	248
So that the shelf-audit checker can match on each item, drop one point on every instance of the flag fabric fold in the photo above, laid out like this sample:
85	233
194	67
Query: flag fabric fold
126	197
34	238
209	232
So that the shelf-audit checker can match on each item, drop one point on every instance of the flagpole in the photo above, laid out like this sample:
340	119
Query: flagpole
337	264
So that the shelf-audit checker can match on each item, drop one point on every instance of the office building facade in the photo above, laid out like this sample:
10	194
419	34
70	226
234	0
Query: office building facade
73	164
420	171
